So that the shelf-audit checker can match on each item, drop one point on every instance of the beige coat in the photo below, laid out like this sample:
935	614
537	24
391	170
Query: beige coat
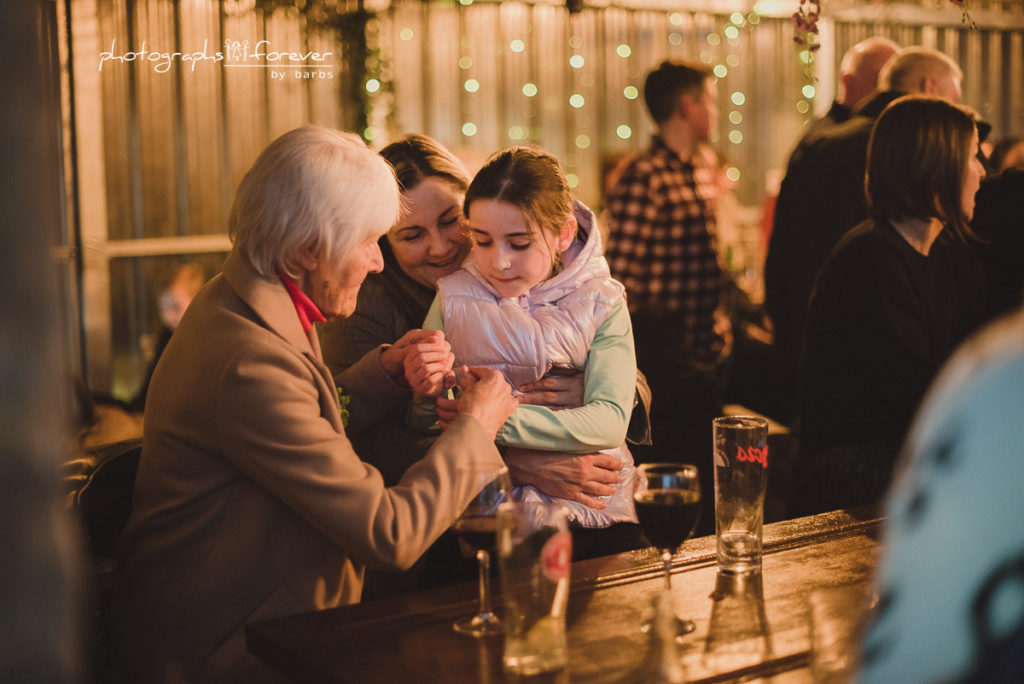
250	502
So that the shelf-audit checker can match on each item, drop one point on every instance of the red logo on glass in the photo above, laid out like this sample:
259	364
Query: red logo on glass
556	555
753	455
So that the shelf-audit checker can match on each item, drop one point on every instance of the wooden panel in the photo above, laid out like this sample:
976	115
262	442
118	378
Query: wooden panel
200	125
244	111
156	108
408	44
286	96
118	119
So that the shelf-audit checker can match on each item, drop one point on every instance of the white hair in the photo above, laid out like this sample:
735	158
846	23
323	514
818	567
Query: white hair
904	71
312	187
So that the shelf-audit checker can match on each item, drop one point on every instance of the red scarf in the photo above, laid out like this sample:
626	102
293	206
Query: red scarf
304	306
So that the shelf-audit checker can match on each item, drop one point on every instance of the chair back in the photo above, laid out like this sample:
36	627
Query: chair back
102	493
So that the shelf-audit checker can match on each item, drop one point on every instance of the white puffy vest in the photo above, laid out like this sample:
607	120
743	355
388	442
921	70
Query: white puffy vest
551	326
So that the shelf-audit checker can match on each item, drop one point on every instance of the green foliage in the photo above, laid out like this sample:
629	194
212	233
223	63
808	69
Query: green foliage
344	400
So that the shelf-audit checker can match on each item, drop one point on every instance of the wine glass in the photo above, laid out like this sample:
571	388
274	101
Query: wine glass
476	528
667	498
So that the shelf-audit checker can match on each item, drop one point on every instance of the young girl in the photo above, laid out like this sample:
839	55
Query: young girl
535	295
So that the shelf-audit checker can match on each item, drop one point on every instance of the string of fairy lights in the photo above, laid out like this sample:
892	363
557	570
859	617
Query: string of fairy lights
718	48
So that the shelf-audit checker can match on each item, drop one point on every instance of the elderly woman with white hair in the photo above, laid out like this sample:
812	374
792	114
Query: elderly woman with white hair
250	502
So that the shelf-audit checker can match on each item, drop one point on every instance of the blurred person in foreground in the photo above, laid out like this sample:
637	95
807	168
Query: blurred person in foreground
951	578
891	302
250	501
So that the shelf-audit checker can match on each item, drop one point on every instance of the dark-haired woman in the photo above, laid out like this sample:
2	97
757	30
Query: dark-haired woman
891	302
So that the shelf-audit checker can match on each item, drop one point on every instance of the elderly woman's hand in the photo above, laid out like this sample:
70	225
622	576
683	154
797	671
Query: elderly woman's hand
486	396
557	389
423	358
577	477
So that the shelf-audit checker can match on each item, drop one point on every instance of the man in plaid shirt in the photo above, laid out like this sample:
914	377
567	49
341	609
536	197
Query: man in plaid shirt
661	246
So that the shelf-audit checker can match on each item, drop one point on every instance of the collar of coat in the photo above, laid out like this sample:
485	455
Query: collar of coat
268	299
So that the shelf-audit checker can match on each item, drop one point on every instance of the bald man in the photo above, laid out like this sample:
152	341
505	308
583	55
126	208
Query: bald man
822	197
858	78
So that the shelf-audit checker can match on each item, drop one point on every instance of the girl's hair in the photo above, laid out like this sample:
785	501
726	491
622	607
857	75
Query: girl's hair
416	157
918	155
311	186
530	180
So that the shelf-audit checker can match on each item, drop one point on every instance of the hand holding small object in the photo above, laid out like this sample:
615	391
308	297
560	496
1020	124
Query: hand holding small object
422	358
486	396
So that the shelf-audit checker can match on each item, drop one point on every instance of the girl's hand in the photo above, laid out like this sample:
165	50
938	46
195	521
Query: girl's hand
447	409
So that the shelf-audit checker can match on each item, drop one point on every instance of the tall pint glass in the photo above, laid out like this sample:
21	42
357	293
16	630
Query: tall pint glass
741	479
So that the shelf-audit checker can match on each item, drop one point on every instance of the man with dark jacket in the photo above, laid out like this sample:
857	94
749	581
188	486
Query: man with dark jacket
822	197
858	80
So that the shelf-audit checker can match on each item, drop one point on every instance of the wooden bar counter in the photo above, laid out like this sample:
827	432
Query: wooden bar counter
751	628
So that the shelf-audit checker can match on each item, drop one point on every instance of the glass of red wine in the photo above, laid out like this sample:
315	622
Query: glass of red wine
667	498
476	529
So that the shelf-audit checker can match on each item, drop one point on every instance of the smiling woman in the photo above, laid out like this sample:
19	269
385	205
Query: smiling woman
427	242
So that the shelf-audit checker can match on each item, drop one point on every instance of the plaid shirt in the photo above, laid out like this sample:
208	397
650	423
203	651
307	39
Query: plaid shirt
661	243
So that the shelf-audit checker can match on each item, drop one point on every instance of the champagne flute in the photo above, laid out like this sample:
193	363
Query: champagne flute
476	528
667	498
